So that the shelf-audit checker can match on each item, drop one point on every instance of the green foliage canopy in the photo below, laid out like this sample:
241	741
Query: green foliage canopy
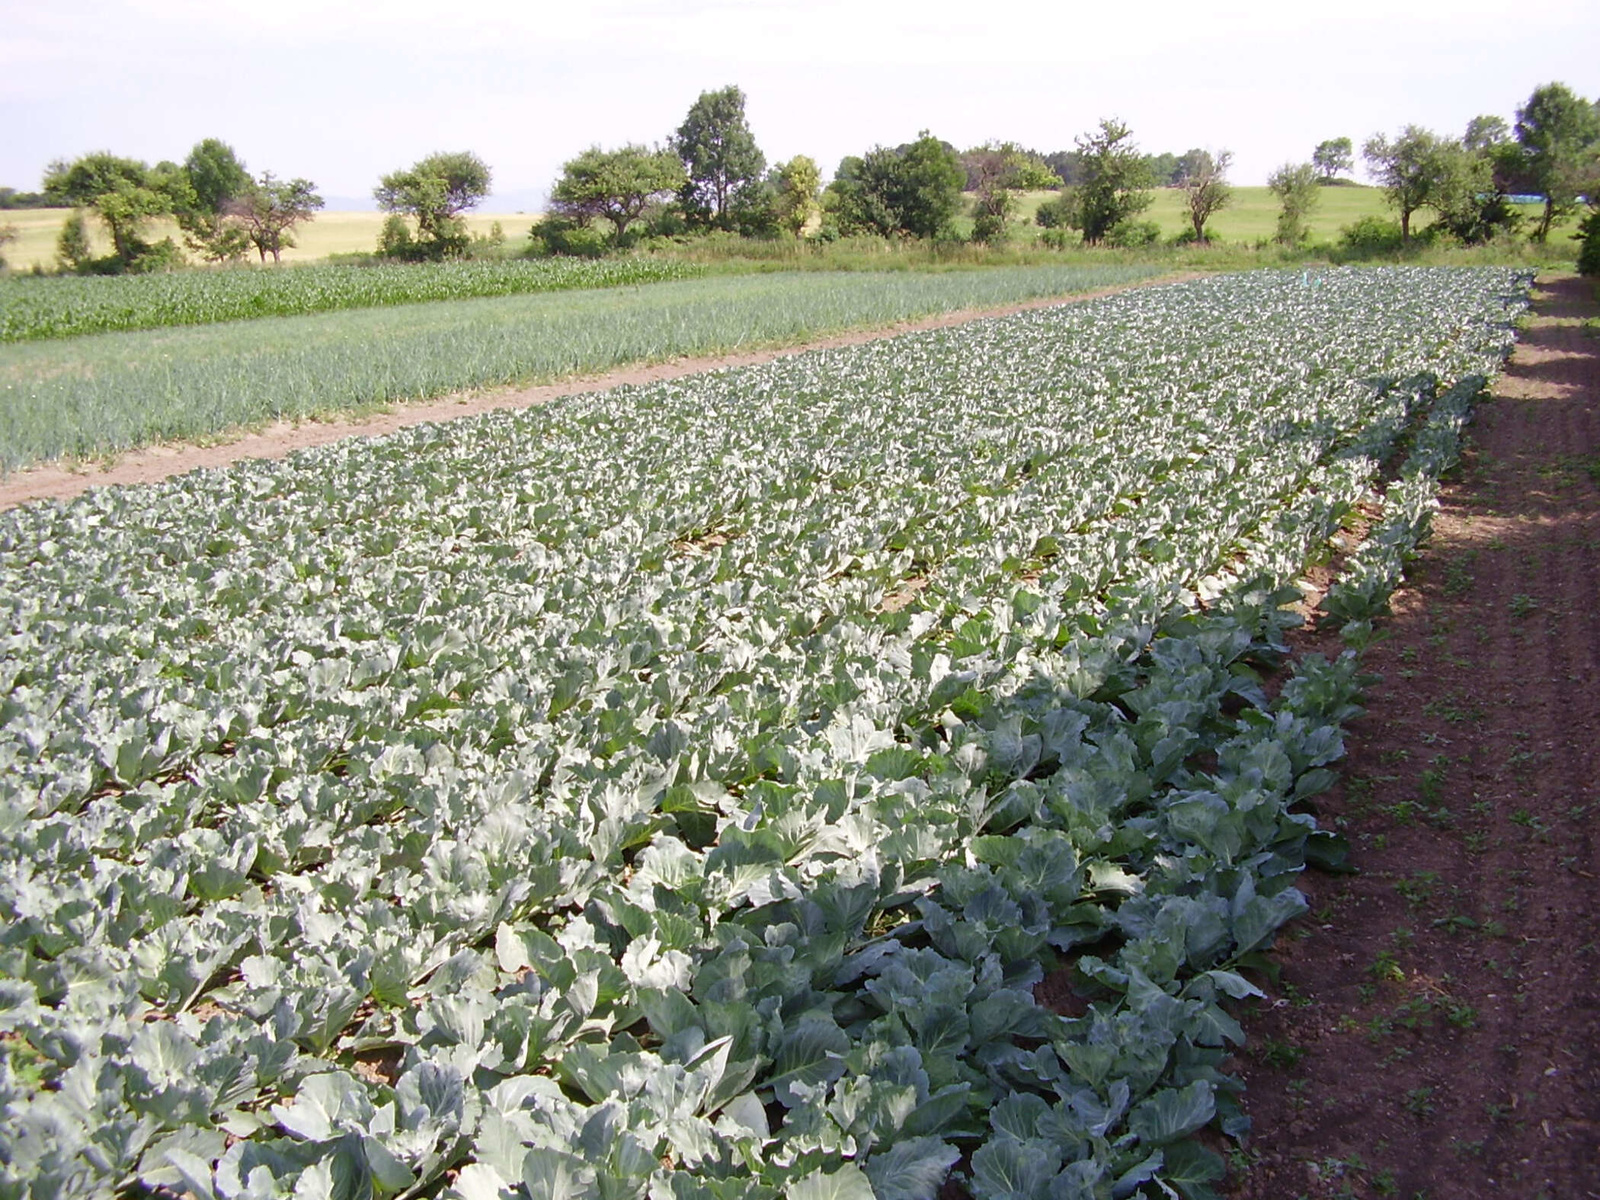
434	192
1334	157
618	185
1407	168
124	192
1114	180
213	179
1295	186
722	164
795	185
912	190
1557	130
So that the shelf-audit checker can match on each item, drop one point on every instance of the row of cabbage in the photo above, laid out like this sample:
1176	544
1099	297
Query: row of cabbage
679	791
69	306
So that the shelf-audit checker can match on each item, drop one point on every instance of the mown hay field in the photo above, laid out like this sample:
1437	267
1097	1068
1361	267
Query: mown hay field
330	233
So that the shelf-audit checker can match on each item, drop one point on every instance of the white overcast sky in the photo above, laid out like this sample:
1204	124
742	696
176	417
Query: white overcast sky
341	93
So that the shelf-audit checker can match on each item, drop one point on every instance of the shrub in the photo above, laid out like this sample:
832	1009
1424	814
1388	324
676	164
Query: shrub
450	240
1129	234
1371	237
164	255
991	229
1059	212
1589	247
394	239
560	235
73	248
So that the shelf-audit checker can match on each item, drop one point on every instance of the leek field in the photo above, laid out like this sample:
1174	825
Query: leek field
679	791
91	395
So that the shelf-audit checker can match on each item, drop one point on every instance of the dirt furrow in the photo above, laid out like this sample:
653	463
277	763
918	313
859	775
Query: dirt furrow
1436	1029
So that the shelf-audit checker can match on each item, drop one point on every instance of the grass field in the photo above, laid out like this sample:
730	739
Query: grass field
1252	215
88	395
330	233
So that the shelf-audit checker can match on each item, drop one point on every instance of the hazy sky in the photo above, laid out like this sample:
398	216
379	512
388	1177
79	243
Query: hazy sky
341	93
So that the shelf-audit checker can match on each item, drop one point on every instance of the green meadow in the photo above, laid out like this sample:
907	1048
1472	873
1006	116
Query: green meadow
1252	213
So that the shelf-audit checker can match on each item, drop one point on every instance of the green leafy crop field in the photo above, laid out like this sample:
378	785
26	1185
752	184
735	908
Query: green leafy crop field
681	790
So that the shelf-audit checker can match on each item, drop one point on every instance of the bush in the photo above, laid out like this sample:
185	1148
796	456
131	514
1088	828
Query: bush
395	240
1058	239
826	233
165	255
1130	235
666	221
991	229
560	235
74	251
1589	247
1371	237
1060	212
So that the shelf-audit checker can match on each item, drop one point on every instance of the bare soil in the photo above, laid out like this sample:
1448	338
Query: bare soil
62	481
1435	1031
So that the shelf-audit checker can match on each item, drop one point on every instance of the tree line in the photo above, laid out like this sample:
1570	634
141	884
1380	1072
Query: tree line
223	212
710	175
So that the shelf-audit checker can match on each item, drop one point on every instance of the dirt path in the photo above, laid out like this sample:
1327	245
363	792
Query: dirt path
1436	1030
57	481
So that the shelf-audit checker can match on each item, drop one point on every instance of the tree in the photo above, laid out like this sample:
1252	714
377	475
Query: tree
926	188
1166	169
271	208
996	171
1408	170
125	194
796	184
858	196
1555	129
1206	188
213	178
434	192
1068	164
1112	180
1485	132
1295	186
618	185
722	163
1191	163
1333	158
11	198
910	190
1463	192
